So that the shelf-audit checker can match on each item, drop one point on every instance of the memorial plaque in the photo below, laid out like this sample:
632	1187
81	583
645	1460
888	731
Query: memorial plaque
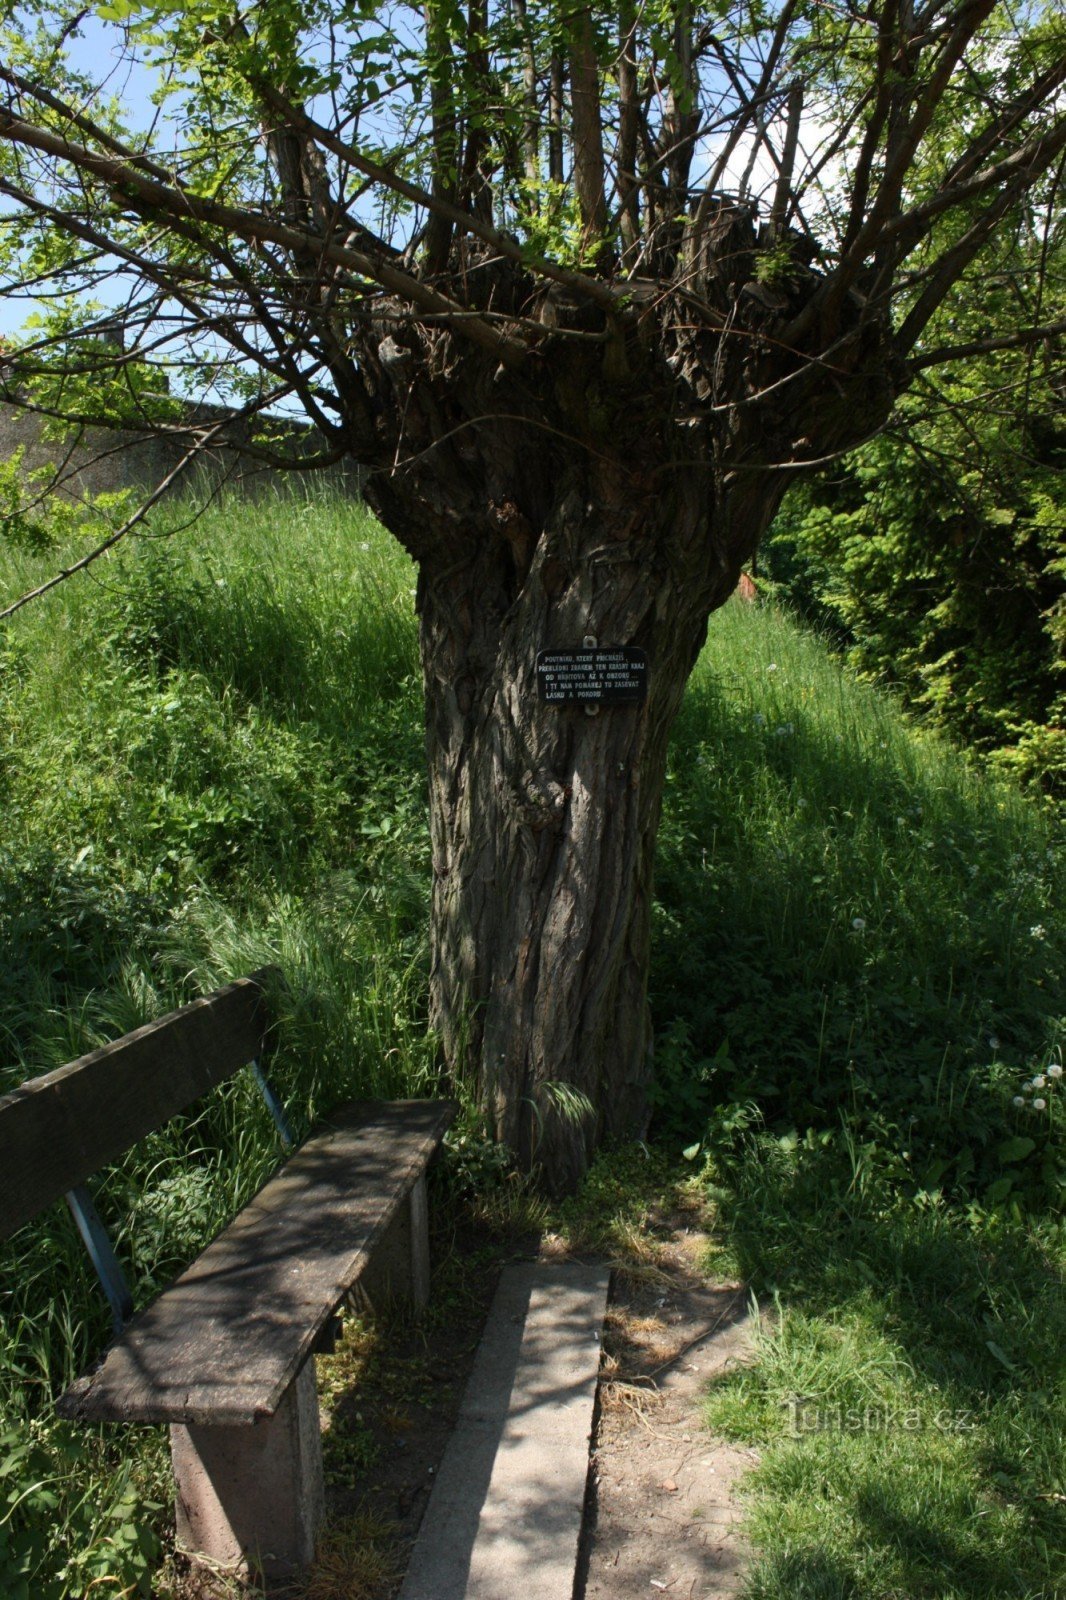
598	677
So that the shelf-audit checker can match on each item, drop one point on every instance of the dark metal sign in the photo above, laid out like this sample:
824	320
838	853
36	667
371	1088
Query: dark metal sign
602	677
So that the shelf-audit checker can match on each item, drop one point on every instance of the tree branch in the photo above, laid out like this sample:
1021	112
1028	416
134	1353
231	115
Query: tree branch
628	128
1020	338
951	265
588	127
148	196
582	284
140	514
1039	152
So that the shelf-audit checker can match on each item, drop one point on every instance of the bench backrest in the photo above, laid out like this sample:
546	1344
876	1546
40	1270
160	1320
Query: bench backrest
60	1128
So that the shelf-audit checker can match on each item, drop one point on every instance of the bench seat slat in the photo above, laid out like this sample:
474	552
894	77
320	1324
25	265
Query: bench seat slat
223	1343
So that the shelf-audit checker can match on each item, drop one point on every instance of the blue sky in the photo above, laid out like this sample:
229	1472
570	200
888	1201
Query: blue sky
96	52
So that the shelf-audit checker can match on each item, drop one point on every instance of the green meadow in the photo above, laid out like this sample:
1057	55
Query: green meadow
211	759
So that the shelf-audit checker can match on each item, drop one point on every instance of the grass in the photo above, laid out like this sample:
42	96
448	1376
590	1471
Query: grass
210	758
882	922
908	1397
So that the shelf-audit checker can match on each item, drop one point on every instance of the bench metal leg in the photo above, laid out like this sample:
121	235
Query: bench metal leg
251	1499
400	1265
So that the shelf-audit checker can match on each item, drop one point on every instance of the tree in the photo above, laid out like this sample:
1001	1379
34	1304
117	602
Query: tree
938	551
586	289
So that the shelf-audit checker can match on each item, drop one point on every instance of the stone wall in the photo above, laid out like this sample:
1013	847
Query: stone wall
97	460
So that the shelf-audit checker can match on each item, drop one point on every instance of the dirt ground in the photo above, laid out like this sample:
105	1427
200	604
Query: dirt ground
660	1514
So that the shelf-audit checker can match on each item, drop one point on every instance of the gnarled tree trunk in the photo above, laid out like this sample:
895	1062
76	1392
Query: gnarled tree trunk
597	497
544	817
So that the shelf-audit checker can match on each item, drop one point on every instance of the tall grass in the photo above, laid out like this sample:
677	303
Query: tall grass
211	759
853	921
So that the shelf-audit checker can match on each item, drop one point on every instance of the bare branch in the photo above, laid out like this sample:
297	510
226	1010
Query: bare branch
783	193
1019	339
588	127
555	119
628	128
748	103
149	197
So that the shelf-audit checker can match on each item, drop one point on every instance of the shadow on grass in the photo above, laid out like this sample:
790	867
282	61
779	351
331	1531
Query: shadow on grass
928	1345
803	1575
321	658
978	1307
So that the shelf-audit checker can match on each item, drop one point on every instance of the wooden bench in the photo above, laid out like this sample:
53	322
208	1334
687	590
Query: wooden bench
222	1355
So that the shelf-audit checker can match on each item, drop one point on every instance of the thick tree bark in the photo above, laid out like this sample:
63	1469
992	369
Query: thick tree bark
544	821
566	450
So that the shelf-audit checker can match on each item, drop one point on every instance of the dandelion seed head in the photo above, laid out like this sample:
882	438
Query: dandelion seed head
1054	1071
1039	1104
1019	1100
858	923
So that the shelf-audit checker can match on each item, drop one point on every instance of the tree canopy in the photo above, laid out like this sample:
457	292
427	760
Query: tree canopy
292	166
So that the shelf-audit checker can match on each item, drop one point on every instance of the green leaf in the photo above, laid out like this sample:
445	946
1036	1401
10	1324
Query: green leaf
1000	1355
1016	1149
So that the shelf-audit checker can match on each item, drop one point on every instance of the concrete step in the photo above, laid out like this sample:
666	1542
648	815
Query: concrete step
504	1518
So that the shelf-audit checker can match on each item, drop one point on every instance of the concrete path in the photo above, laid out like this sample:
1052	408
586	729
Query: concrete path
504	1519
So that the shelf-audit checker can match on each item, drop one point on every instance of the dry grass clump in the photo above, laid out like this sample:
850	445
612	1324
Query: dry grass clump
359	1561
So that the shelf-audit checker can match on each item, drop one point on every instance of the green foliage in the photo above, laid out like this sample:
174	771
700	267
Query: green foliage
472	1162
881	926
67	364
36	519
212	759
937	554
52	1519
24	522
